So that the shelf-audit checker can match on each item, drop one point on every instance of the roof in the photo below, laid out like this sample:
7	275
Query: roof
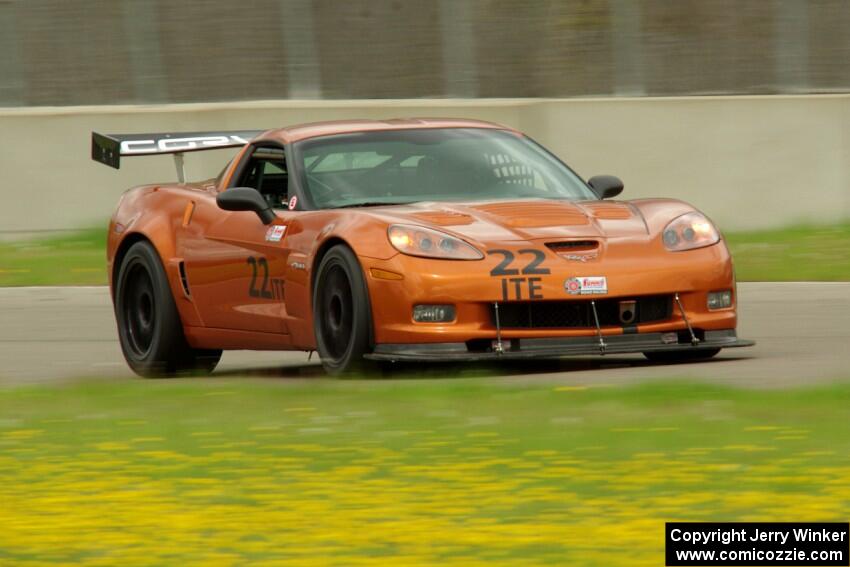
314	129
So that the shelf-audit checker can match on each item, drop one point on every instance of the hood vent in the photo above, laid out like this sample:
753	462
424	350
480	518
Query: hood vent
535	215
444	218
573	246
609	211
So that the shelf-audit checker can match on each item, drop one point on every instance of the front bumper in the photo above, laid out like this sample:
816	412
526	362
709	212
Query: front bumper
632	271
558	347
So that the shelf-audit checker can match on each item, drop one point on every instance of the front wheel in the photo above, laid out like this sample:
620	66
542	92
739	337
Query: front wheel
149	327
342	314
681	355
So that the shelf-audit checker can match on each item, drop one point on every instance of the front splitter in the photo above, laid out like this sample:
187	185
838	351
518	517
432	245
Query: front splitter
557	347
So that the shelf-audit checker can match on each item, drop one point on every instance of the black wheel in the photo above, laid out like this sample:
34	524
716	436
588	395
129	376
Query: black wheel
342	314
149	326
681	355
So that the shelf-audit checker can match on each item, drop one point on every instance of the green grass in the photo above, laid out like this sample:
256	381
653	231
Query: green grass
793	254
449	472
77	258
800	253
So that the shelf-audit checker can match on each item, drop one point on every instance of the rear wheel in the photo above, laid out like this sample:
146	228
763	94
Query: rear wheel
342	314
681	355
149	326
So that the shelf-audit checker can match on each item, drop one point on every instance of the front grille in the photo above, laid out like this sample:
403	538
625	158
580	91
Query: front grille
576	314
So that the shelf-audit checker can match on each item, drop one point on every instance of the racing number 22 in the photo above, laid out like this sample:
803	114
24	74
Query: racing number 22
261	264
517	284
508	258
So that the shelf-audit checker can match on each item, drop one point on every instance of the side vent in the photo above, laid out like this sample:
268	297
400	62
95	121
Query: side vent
184	281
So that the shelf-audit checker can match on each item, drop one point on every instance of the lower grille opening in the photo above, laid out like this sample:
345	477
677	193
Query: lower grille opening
577	314
479	345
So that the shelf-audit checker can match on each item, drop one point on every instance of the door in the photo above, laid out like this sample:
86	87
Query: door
235	264
233	273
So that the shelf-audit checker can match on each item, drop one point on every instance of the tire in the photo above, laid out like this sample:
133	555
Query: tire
342	313
149	327
681	355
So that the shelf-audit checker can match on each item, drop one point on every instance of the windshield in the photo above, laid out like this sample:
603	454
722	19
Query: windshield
445	164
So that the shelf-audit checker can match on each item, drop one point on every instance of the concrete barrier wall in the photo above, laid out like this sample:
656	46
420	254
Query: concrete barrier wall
748	162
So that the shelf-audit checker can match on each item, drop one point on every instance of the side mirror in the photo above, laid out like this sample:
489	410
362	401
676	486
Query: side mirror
245	199
606	186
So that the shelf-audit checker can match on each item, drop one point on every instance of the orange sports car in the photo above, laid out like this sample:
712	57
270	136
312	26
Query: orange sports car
404	240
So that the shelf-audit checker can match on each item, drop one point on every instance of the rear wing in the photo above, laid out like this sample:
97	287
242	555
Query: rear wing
108	149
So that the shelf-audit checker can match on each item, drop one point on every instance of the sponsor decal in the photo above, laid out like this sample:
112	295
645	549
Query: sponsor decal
587	285
670	338
298	266
292	202
275	233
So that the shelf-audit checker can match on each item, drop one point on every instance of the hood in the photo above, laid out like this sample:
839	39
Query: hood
526	219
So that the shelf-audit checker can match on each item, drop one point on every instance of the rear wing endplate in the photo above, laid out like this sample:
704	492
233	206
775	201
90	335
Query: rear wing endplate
108	149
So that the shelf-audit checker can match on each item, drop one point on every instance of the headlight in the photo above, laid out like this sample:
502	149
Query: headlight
689	231
421	241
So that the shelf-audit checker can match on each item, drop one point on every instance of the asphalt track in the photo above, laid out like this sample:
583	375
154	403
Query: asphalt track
802	329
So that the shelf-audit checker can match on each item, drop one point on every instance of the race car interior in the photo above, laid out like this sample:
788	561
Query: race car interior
266	172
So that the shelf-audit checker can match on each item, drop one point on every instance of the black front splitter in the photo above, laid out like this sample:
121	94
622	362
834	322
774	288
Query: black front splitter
557	347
